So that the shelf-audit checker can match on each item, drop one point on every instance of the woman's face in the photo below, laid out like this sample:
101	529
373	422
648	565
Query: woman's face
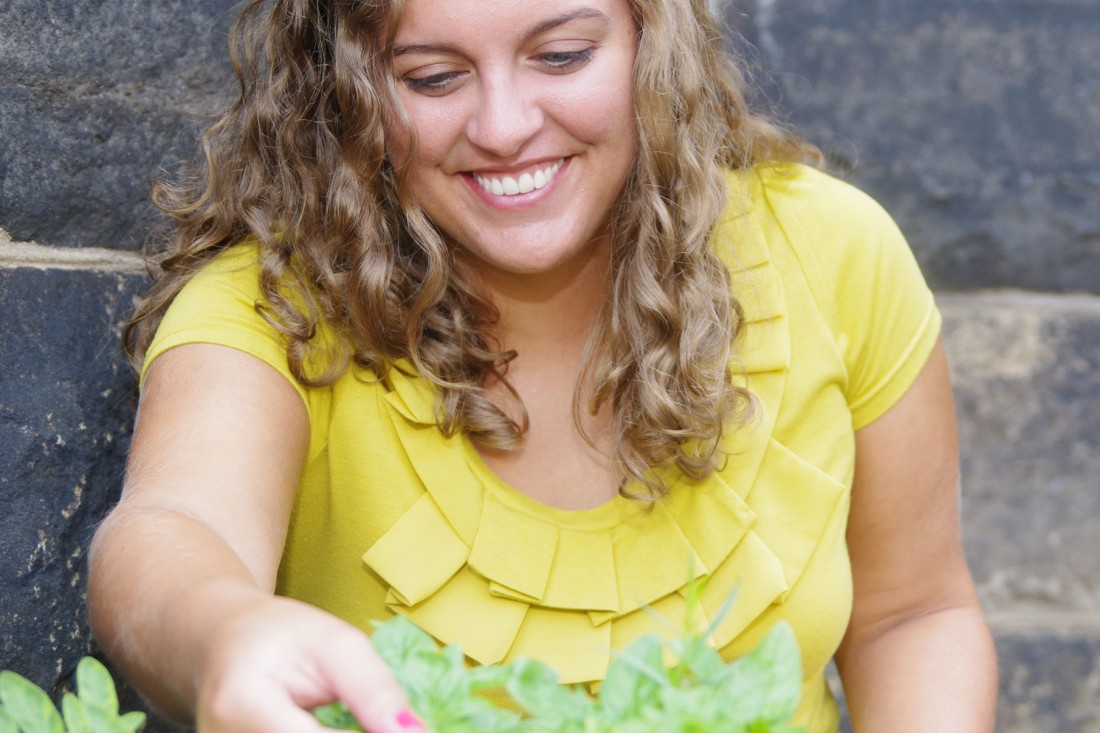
525	119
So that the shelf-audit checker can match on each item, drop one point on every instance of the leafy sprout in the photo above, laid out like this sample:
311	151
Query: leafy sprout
25	708
698	693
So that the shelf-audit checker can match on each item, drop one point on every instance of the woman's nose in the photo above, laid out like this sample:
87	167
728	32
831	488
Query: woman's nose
506	118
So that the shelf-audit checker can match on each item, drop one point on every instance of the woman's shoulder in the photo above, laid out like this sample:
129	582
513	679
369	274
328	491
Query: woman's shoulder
225	289
796	194
237	265
830	227
224	303
838	244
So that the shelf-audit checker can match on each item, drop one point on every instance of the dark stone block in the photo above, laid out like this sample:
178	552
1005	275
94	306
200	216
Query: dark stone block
1050	681
94	99
78	173
1027	376
65	415
973	122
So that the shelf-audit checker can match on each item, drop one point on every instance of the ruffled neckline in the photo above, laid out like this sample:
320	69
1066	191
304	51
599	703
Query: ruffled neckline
478	563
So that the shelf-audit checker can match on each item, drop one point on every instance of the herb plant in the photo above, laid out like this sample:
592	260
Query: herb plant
25	708
698	693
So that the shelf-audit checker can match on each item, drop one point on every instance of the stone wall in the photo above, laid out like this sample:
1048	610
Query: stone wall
975	122
95	98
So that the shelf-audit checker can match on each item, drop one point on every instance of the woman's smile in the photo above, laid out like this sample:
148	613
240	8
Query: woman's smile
525	187
509	186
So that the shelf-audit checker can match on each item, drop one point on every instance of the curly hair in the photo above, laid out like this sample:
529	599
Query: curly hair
298	165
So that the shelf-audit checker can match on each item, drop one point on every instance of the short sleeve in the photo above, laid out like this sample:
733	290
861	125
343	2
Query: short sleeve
867	284
218	306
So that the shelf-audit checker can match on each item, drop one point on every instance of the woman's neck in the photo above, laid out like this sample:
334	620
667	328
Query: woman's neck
548	316
547	320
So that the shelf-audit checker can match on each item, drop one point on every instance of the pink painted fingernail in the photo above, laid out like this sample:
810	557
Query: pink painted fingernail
408	719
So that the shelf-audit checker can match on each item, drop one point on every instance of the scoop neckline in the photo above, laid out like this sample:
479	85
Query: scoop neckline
616	510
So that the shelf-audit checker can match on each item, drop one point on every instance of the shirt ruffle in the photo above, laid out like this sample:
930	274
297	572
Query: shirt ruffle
478	564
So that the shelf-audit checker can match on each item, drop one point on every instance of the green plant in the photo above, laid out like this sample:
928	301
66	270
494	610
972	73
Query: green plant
25	708
699	693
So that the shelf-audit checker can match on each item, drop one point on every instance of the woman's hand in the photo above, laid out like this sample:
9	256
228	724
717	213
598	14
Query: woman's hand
279	659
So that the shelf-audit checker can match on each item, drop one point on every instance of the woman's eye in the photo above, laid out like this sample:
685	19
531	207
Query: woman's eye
434	83
563	61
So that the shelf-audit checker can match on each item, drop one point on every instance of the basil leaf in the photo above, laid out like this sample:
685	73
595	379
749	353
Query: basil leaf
95	687
28	706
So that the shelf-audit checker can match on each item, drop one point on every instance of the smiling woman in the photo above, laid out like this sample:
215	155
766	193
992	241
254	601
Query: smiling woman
511	318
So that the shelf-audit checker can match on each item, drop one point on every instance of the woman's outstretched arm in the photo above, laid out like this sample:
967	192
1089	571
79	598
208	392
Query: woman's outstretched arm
918	655
182	572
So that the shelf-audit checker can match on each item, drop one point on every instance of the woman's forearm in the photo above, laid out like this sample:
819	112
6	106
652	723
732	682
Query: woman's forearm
183	617
161	585
933	672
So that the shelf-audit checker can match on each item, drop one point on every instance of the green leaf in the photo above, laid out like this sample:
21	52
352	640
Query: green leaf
635	676
699	661
767	682
535	687
95	687
448	678
699	694
7	725
76	719
336	716
440	686
133	721
399	639
28	705
489	677
104	721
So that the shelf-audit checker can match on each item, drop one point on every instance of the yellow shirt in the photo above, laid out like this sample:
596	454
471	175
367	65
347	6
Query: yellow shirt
391	517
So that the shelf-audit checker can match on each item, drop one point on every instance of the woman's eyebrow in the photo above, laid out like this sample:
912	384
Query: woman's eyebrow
537	29
577	14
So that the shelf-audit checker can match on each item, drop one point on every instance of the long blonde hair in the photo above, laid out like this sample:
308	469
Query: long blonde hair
298	164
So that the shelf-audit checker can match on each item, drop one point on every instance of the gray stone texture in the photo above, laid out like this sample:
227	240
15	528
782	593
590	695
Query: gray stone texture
1026	371
1050	682
65	414
66	411
976	121
95	96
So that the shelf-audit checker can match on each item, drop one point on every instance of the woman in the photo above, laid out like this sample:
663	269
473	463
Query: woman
510	317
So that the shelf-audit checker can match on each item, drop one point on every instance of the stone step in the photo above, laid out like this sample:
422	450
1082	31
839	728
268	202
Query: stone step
1026	373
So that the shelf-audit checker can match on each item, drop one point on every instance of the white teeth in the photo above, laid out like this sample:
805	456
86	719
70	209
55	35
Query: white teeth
508	186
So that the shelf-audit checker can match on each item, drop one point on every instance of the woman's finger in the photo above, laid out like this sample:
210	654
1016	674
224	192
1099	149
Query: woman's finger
363	682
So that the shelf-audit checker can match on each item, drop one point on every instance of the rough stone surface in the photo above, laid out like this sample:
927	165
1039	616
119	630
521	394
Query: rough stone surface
1050	682
976	122
65	414
1027	382
94	98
